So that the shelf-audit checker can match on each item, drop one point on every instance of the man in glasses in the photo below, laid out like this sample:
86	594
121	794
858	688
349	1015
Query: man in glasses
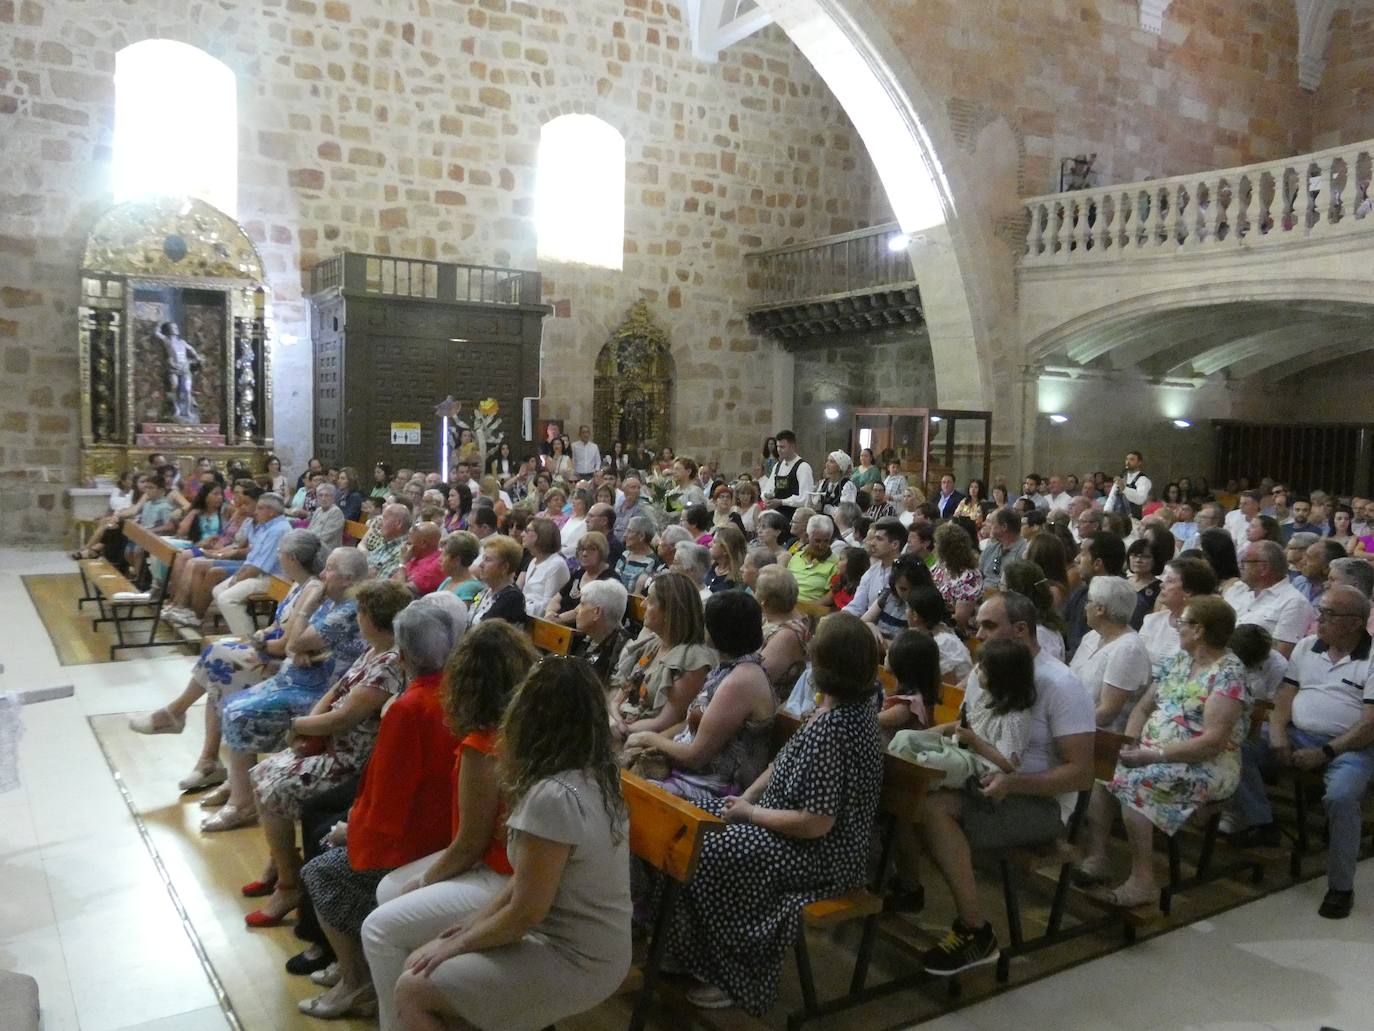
1323	720
1267	598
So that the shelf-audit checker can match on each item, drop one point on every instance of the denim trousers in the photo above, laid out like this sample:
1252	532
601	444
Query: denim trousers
1347	778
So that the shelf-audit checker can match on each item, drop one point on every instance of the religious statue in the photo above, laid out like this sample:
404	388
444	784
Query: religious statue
182	360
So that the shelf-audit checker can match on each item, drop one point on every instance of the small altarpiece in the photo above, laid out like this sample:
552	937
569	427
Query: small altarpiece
174	326
632	398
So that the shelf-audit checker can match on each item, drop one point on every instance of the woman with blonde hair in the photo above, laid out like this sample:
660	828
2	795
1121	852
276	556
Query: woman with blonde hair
786	632
728	548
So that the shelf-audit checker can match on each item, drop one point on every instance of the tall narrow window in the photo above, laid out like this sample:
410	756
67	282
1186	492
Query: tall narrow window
579	192
176	124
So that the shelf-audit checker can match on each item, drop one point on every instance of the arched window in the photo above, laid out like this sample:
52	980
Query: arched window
579	192
176	124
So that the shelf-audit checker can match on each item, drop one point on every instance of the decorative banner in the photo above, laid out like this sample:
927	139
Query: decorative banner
405	433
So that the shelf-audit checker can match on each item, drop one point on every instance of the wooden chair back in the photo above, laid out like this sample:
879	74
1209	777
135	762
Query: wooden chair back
888	680
1106	747
278	588
554	638
814	610
951	698
150	542
355	529
634	609
666	832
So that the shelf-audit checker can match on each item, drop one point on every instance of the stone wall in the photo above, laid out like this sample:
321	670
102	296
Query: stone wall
408	127
1343	106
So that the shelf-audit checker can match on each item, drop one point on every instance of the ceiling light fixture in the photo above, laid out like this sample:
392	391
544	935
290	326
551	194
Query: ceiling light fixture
1059	419
900	242
1183	424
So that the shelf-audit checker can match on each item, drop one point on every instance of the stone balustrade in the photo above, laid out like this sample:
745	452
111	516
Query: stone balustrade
1310	196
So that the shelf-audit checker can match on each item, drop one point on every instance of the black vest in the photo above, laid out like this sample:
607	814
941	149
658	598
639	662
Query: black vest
785	485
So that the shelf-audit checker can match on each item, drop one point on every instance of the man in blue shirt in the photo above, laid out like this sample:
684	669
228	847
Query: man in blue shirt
259	566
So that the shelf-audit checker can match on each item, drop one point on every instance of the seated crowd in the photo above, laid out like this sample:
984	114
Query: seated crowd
463	852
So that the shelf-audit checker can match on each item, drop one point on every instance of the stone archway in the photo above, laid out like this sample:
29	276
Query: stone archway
632	395
966	276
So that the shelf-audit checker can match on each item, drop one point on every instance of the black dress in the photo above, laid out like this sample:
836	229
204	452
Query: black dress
742	911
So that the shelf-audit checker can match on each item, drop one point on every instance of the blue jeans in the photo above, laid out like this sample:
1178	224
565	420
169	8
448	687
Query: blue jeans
1347	778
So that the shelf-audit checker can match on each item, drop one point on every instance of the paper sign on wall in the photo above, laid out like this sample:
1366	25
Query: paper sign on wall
405	433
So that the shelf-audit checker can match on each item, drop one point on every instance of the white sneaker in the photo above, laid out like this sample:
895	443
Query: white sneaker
709	997
1228	825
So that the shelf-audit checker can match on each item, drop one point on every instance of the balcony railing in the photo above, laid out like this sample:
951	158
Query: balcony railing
1311	196
832	267
425	280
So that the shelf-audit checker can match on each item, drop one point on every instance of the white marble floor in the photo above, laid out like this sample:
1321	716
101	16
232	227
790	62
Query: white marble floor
82	908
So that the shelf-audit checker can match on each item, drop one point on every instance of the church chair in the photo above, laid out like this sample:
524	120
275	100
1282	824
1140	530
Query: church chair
550	637
120	612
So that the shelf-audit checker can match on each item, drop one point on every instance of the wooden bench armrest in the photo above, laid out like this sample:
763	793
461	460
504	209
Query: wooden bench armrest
665	831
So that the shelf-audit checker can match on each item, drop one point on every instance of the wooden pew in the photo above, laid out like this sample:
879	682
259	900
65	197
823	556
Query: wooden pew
121	612
667	833
951	699
355	529
634	611
547	636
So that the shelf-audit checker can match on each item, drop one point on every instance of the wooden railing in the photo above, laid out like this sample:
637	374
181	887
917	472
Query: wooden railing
426	280
831	267
1320	195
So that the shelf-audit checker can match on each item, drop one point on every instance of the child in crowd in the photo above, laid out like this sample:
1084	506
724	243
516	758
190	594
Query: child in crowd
914	660
852	564
993	726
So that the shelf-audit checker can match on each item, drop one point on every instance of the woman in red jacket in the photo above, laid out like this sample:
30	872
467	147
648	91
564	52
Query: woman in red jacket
403	810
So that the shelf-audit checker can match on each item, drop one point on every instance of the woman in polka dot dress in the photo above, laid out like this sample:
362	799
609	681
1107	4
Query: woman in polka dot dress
800	833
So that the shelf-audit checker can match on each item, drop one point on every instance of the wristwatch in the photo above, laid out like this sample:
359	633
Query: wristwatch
1329	752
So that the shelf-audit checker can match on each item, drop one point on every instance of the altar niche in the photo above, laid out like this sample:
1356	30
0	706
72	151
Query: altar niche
174	326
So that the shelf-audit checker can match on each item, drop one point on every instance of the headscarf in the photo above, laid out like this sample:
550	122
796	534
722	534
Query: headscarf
843	461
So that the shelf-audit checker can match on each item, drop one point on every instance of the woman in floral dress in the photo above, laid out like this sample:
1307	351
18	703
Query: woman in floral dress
800	833
956	572
322	641
1189	725
329	745
231	664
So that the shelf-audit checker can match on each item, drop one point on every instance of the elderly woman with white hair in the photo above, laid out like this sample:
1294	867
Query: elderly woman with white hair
836	486
327	521
403	811
1112	661
321	643
638	559
599	617
693	560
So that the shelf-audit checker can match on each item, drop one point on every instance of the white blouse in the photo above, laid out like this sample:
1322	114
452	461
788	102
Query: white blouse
543	580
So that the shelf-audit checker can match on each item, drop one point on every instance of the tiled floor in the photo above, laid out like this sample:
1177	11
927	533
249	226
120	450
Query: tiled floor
82	908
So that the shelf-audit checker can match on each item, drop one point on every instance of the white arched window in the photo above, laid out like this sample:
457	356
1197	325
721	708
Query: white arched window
176	124
579	192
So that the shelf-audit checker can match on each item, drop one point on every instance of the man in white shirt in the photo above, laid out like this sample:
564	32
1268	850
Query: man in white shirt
1238	520
586	456
1323	719
1058	497
1267	598
1133	485
1032	803
793	479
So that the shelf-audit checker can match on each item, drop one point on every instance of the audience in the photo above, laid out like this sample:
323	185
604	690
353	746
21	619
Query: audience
343	693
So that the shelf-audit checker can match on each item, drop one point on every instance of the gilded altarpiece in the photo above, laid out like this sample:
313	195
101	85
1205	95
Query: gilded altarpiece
632	394
173	262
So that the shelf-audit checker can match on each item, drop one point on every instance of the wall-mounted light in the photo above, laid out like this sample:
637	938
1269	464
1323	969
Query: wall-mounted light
1183	424
832	414
935	418
1058	418
900	242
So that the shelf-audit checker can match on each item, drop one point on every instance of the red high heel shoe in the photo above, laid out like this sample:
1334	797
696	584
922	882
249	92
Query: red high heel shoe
261	918
259	889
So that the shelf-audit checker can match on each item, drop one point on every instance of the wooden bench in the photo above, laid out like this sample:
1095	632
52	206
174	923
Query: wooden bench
262	607
951	701
120	612
547	636
634	611
355	529
667	833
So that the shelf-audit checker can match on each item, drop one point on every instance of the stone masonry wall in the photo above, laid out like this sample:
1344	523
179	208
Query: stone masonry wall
410	127
1343	106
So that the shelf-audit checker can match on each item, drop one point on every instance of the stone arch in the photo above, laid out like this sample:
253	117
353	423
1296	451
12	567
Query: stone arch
967	278
632	394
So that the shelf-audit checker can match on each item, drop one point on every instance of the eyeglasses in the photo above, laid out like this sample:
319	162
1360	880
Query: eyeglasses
1328	614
